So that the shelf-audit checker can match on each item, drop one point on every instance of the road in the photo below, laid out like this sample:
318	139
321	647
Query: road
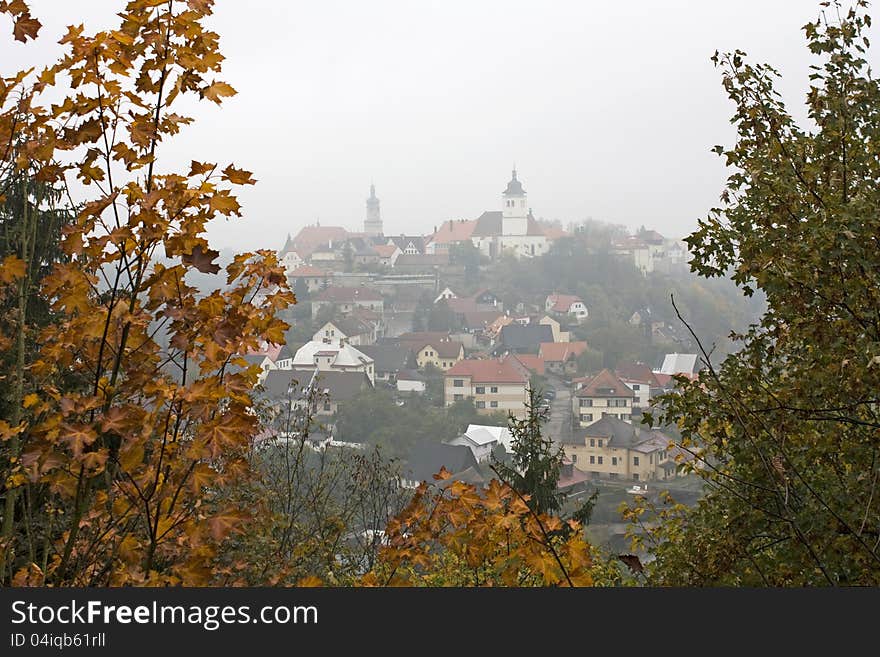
559	424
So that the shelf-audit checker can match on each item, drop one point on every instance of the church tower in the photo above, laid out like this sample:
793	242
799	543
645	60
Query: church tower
514	209
373	222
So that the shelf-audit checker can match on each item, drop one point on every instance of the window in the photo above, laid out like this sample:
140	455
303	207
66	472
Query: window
635	476
613	460
481	390
458	383
493	389
458	398
586	417
600	460
326	406
612	475
635	460
493	404
574	458
586	402
592	459
600	442
651	459
592	442
481	404
635	387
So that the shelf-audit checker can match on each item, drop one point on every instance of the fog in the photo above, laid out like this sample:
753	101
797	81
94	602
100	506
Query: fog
607	109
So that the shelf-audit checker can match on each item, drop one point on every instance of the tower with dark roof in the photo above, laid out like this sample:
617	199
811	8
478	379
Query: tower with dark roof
373	222
514	208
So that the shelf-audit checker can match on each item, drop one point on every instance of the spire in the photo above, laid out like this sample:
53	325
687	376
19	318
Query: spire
372	190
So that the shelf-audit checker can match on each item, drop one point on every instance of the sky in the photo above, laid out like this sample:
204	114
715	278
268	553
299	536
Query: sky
607	109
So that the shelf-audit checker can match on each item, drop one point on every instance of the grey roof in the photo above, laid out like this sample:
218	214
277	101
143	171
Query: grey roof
387	357
340	386
286	352
402	241
621	435
517	337
427	459
514	187
488	224
278	382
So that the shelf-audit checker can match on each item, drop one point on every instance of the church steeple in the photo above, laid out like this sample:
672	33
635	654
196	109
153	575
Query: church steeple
373	221
514	211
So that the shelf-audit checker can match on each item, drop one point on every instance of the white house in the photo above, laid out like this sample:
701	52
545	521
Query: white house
678	364
481	439
566	304
410	381
445	295
326	357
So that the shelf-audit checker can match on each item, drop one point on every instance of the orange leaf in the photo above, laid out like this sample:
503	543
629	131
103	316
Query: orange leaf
12	268
26	26
238	176
217	90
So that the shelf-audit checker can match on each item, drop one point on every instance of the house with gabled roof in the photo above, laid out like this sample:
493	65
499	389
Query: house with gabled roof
611	448
561	357
600	396
442	354
563	305
641	380
482	439
494	384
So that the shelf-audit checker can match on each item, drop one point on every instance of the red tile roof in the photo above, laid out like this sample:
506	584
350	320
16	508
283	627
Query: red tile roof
531	362
310	238
561	352
487	371
454	231
385	250
552	231
637	373
347	294
605	384
562	303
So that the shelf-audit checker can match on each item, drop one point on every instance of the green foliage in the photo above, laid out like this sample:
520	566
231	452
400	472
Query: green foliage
787	426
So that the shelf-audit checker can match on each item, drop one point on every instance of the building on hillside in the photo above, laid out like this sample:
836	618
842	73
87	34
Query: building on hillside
482	439
613	449
641	380
531	364
388	254
311	238
289	256
308	278
559	335
346	299
389	359
492	384
335	388
410	381
561	357
678	364
452	232
333	357
519	339
346	330
603	395
408	244
445	295
442	354
373	220
566	304
420	263
285	358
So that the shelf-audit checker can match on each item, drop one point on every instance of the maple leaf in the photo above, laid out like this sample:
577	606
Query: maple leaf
216	91
238	176
632	562
202	259
198	168
225	203
12	268
26	27
222	524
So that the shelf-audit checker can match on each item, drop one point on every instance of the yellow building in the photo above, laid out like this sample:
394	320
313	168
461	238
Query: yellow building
604	395
442	354
614	449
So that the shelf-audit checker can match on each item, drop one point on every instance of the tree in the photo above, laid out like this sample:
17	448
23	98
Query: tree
784	431
137	410
469	256
535	468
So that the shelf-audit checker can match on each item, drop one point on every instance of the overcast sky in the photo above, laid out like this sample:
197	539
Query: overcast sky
608	109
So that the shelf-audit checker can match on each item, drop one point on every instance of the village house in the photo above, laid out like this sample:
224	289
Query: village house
518	339
346	329
641	380
563	305
338	357
614	449
561	357
482	439
389	359
442	354
346	299
454	231
388	254
558	334
308	278
410	381
602	395
335	388
493	385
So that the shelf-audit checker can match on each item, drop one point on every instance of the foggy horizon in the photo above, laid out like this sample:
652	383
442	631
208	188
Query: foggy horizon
608	112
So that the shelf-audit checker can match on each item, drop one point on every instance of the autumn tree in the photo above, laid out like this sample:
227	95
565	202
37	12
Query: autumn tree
785	431
114	446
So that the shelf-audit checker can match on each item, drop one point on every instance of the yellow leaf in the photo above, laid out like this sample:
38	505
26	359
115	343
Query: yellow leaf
30	400
238	176
217	90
